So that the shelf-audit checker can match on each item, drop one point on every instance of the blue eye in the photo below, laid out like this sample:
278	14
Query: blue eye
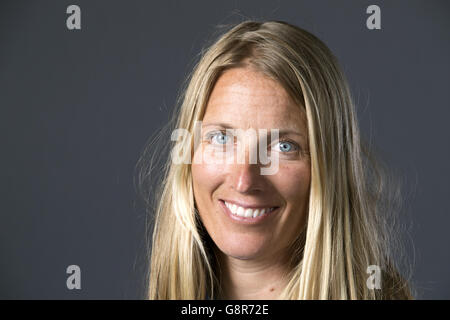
286	146
218	137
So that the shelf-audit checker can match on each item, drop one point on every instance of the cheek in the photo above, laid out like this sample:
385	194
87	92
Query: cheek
293	179
292	182
206	179
205	175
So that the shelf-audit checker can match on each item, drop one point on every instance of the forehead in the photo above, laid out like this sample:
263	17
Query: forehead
247	98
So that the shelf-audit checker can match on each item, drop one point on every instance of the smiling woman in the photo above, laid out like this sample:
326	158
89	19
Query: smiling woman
309	230
252	218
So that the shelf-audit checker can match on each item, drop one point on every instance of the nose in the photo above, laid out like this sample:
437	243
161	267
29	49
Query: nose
246	177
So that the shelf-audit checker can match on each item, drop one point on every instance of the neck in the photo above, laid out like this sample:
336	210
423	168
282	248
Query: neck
253	279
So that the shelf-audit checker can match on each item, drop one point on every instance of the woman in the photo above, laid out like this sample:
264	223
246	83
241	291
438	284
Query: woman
311	229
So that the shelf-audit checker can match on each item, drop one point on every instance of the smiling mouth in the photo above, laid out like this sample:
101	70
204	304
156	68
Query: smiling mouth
247	212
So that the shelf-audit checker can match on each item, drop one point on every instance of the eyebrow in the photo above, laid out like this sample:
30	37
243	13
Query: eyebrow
282	132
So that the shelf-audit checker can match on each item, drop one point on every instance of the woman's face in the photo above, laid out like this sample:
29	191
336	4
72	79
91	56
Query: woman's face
245	99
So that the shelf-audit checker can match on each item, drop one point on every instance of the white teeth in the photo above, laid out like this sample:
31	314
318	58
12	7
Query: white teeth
247	213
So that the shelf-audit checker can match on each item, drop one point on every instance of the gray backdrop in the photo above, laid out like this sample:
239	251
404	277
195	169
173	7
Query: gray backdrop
77	107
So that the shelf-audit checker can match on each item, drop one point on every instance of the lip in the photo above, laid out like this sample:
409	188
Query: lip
247	220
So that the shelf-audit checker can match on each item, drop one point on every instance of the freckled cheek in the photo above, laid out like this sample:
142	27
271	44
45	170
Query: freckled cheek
206	174
292	182
206	177
206	180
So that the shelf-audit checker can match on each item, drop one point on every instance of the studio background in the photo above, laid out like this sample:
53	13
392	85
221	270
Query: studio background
77	107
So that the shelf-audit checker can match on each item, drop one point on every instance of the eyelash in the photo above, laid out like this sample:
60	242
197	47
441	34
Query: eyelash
212	134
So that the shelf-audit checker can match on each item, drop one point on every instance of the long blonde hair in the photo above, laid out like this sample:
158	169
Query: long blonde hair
346	229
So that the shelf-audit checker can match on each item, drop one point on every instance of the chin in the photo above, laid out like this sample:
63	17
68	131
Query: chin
243	249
